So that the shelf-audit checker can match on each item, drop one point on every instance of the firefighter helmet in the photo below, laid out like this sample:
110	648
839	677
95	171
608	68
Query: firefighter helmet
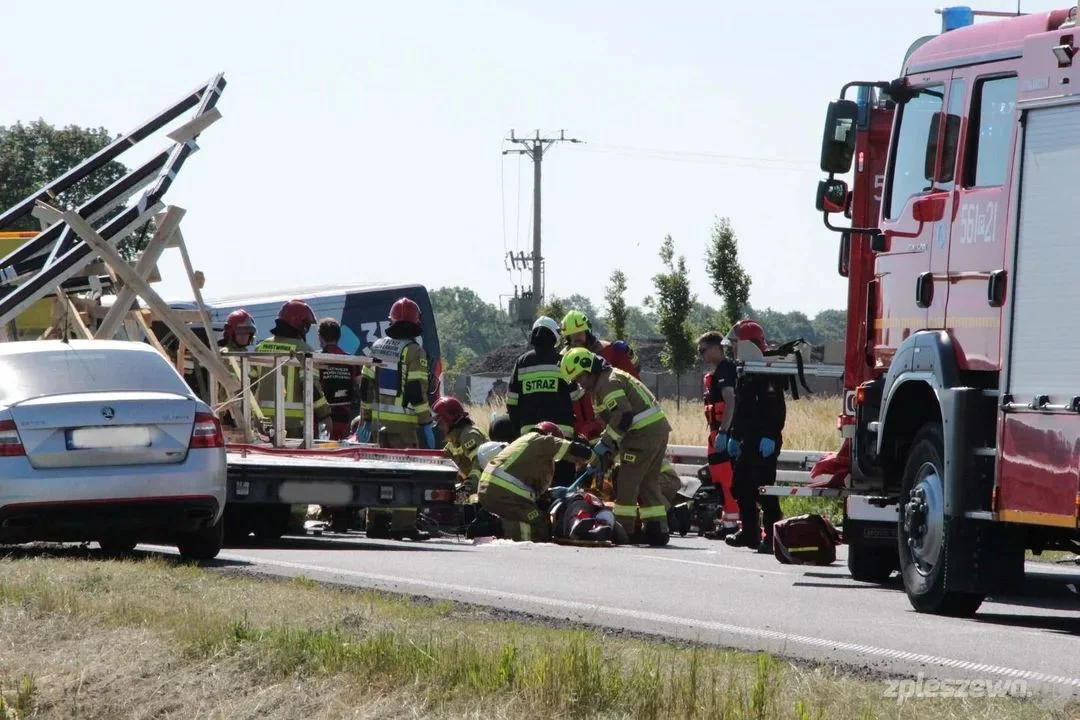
502	429
449	410
238	320
746	330
575	322
577	361
486	452
404	310
549	428
545	323
298	315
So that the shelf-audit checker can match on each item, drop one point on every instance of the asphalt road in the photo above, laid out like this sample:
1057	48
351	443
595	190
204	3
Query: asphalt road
701	590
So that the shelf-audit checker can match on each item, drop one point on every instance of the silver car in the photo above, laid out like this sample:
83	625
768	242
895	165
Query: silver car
102	440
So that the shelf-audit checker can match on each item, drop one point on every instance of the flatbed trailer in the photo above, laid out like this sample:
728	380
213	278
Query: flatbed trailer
74	259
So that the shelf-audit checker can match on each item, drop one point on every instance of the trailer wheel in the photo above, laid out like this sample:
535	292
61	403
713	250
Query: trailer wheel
872	564
925	532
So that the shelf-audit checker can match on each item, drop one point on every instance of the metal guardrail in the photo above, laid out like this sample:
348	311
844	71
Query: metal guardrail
793	468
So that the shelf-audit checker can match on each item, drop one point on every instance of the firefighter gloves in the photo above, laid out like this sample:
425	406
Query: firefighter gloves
734	448
363	433
429	436
767	447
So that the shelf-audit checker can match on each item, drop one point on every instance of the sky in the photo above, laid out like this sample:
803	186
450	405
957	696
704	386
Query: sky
362	141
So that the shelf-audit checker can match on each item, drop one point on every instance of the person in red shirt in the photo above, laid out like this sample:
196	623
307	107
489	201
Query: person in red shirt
577	330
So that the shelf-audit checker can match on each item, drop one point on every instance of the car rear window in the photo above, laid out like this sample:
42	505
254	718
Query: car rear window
75	370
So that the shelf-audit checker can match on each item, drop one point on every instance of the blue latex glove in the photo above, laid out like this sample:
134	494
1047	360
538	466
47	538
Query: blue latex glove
363	433
601	449
720	443
767	447
429	435
734	447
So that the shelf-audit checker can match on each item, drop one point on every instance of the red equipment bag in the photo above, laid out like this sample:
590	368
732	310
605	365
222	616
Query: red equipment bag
805	540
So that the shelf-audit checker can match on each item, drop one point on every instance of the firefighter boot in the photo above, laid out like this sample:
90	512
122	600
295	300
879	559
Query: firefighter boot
655	534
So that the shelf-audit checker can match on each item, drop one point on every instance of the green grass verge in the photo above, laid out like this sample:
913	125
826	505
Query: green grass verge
151	639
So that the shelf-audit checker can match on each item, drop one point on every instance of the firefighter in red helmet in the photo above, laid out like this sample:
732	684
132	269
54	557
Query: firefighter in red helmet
515	478
755	442
463	440
294	319
394	401
237	335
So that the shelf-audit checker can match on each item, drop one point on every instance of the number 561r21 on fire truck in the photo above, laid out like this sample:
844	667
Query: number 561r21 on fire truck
961	421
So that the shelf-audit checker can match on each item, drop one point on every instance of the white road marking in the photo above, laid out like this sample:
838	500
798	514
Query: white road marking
559	606
714	565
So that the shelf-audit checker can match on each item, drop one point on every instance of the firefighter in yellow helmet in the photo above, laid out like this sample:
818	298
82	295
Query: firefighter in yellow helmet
638	429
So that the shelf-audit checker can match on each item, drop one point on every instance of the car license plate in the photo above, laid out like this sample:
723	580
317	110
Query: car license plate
99	438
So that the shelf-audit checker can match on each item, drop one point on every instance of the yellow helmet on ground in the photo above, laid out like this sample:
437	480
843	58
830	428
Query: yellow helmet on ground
577	361
574	322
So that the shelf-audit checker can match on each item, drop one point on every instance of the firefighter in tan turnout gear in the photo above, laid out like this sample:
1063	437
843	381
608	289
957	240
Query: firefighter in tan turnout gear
463	440
520	473
638	429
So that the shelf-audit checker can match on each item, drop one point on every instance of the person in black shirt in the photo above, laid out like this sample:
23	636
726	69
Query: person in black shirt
719	403
539	392
760	412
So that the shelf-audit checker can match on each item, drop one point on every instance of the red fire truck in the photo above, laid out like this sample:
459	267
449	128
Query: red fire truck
961	418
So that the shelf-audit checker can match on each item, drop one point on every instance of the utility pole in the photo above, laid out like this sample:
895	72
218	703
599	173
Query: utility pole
535	148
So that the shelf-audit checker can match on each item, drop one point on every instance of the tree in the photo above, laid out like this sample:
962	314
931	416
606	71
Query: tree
727	276
553	308
615	297
830	325
465	320
673	305
557	307
639	325
31	155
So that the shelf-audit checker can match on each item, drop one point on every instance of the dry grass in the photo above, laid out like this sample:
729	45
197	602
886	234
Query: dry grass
810	425
811	422
139	639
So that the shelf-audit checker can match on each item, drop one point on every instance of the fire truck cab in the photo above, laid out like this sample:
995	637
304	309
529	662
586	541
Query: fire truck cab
961	420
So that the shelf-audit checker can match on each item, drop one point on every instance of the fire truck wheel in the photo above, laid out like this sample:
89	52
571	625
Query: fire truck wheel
925	532
871	564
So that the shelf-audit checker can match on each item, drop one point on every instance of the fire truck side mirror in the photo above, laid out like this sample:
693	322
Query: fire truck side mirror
832	196
838	140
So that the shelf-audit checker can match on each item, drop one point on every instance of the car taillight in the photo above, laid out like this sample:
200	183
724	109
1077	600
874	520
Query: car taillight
438	495
10	445
206	433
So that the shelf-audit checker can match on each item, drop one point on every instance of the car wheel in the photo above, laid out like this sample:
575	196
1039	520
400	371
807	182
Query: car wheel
202	544
925	532
118	544
871	564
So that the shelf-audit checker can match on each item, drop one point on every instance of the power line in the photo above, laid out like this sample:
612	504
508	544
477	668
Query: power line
702	157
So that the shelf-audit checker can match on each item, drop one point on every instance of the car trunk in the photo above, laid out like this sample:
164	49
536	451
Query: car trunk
105	428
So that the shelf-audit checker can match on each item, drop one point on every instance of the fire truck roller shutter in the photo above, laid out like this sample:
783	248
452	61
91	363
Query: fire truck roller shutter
1044	348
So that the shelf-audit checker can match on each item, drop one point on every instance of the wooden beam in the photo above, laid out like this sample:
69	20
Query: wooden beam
208	356
150	255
